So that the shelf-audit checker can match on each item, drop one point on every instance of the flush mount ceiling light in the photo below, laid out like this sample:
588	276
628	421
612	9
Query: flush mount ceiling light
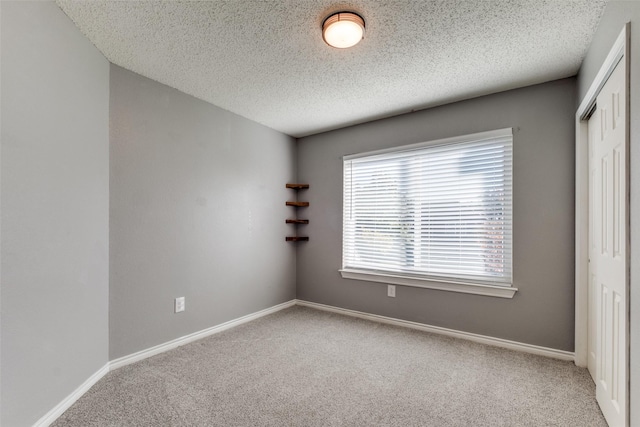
343	29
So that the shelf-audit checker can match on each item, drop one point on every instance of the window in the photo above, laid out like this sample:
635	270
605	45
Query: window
435	215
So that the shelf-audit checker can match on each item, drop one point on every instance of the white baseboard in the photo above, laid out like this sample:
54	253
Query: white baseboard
483	339
143	354
59	409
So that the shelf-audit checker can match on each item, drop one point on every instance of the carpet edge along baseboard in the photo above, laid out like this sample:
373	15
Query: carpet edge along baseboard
60	408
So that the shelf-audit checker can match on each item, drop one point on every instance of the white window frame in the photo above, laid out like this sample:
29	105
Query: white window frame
433	282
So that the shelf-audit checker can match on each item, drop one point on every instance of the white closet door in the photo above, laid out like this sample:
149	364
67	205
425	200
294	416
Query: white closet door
608	259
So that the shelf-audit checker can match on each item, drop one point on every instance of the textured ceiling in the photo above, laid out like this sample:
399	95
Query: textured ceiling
265	59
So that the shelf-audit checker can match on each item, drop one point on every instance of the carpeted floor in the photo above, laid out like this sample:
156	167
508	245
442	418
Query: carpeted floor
303	367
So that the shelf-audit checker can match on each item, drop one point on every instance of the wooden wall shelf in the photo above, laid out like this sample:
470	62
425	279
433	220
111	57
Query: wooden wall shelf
298	204
298	186
297	221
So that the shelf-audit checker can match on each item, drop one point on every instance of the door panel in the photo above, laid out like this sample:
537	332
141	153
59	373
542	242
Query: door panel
607	360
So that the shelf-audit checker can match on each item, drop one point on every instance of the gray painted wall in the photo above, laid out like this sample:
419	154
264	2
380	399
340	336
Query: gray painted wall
542	312
197	210
55	195
616	15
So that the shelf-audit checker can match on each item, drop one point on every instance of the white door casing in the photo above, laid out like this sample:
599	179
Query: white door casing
607	356
594	128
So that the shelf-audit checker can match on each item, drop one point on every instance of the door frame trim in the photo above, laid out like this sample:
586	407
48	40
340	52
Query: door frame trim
618	52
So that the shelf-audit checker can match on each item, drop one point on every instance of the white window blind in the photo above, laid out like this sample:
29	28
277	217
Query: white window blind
441	211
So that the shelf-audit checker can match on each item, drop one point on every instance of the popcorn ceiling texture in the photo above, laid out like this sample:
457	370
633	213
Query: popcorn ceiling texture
265	60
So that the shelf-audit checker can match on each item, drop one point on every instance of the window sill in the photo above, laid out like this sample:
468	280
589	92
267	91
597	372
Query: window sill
467	288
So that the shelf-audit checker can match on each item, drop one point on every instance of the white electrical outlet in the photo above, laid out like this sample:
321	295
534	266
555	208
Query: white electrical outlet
391	291
179	304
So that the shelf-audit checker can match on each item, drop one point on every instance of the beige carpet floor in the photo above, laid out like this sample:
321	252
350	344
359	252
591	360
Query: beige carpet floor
304	367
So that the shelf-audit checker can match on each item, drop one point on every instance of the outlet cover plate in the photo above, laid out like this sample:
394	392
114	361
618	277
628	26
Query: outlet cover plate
179	304
391	291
